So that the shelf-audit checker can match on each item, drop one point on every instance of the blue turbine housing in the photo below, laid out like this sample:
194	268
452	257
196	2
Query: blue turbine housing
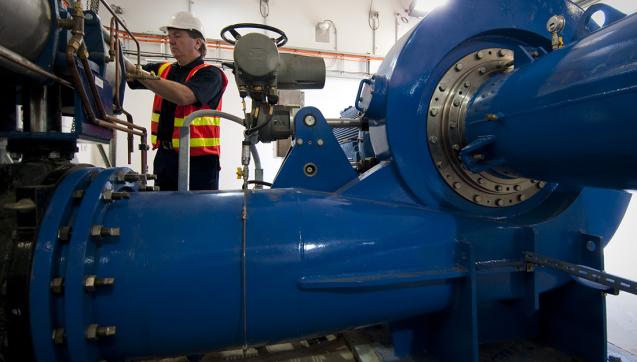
433	241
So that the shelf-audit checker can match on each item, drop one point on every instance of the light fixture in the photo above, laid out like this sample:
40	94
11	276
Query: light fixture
322	32
420	8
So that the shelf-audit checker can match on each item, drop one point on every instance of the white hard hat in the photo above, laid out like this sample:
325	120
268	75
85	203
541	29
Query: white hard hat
184	20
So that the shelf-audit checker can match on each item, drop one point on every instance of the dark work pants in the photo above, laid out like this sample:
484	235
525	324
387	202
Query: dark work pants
204	171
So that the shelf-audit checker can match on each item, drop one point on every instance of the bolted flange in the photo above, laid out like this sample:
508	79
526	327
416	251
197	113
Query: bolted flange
446	126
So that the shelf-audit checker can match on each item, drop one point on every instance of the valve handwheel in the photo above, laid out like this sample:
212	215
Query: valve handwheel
232	29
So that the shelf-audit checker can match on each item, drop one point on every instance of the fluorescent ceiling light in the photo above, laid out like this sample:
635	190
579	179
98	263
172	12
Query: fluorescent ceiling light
420	8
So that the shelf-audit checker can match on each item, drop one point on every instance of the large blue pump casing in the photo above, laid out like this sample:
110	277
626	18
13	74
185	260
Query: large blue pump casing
330	250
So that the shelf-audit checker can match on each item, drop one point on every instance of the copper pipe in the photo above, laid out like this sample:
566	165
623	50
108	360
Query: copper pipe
218	44
114	120
29	67
76	44
143	147
114	15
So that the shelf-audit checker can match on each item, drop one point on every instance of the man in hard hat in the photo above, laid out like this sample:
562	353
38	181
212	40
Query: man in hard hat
185	86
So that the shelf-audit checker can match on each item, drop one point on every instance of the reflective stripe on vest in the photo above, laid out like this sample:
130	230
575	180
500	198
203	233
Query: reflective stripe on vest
204	131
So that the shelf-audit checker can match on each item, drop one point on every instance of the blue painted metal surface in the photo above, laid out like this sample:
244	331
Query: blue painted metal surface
314	147
566	117
52	59
332	249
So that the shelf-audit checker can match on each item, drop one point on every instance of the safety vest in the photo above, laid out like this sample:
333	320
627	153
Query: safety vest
204	131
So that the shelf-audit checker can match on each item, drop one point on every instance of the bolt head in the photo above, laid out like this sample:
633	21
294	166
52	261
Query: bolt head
89	283
433	111
320	142
480	54
91	332
299	141
442	87
57	285
309	169
459	66
58	336
433	139
309	120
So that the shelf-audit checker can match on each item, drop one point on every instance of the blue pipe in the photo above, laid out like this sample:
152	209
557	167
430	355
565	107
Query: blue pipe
567	117
178	276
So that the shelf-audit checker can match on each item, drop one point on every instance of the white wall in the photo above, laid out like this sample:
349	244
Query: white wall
297	19
620	258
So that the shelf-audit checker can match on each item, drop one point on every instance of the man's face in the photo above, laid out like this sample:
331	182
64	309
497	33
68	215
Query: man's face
181	44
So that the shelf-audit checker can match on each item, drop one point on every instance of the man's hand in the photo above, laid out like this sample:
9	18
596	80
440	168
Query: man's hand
171	91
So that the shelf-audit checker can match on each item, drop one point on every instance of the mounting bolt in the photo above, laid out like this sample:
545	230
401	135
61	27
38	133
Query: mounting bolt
64	234
110	195
480	54
517	187
498	187
299	141
491	117
457	101
467	84
501	53
58	336
94	332
433	111
92	282
309	120
456	147
57	285
477	198
442	87
320	142
457	185
99	231
459	67
483	70
309	169
433	139
499	202
591	246
521	197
